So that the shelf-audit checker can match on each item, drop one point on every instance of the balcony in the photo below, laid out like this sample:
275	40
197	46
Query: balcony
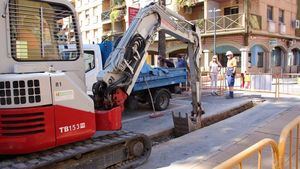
226	23
271	26
105	16
95	20
282	28
111	35
86	22
255	22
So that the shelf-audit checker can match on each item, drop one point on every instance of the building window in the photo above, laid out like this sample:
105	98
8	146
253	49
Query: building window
231	10
87	17
277	54
95	11
260	59
257	56
88	34
296	60
96	35
270	13
79	3
281	16
86	1
95	15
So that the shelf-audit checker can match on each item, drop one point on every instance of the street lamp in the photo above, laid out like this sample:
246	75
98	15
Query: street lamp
215	32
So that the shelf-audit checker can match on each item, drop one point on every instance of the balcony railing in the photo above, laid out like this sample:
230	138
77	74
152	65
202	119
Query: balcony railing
105	15
255	22
224	23
282	28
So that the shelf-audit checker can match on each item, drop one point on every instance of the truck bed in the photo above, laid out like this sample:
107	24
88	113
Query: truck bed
168	76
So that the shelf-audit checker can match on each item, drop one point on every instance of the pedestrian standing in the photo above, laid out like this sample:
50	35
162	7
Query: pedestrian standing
242	80
247	80
230	73
214	69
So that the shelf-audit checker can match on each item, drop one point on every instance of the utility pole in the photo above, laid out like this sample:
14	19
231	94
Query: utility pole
162	37
215	29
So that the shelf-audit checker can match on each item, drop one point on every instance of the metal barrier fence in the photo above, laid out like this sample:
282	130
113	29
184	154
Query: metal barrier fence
238	159
286	83
278	151
286	137
289	83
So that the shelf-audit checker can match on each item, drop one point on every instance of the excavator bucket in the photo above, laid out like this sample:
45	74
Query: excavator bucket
184	123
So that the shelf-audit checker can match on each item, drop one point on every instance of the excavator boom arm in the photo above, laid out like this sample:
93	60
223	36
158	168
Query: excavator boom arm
127	59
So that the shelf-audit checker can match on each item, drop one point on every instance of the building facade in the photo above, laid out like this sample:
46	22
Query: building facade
263	34
89	15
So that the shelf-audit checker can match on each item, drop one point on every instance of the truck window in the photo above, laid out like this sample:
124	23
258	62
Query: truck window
89	60
39	31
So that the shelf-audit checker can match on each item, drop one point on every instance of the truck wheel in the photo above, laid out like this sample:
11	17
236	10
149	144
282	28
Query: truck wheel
161	99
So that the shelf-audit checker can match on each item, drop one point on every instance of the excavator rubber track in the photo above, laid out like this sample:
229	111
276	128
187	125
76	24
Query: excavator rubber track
121	149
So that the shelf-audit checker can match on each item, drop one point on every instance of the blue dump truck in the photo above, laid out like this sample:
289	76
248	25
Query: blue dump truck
154	85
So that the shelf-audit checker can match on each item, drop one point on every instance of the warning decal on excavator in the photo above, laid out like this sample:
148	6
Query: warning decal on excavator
63	95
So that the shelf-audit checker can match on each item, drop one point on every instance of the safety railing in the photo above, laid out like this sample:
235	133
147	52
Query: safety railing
226	22
288	83
255	21
276	84
237	160
289	140
287	137
105	15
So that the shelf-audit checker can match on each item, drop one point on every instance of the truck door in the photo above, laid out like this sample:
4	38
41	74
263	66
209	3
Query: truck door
93	64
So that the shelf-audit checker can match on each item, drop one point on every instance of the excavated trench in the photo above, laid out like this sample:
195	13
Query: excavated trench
167	135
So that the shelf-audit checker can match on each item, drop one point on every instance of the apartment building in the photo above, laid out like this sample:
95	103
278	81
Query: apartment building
89	15
116	16
263	34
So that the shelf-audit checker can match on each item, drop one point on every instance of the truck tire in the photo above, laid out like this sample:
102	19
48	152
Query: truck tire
161	99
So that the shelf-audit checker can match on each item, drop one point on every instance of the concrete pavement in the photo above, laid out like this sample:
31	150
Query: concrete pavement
208	147
152	126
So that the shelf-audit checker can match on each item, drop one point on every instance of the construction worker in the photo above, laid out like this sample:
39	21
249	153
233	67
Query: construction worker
181	62
230	72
